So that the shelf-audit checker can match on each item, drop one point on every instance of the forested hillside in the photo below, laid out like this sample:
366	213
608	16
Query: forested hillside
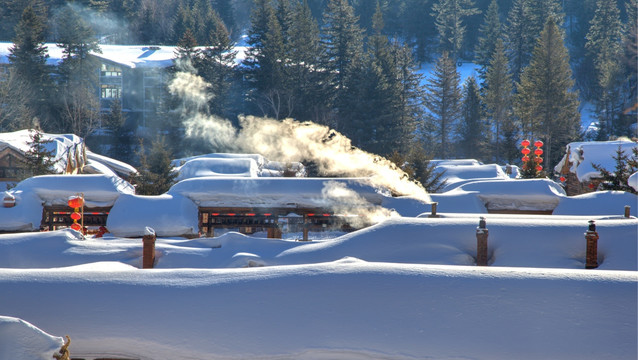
352	65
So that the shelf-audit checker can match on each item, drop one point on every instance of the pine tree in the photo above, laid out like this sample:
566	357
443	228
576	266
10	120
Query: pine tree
603	51
186	53
519	36
306	75
546	103
38	159
443	100
498	102
624	168
342	41
216	66
79	104
449	15
473	135
491	31
121	135
156	174
28	56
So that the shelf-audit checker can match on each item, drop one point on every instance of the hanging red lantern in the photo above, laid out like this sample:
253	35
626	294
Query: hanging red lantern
562	179
525	143
525	159
76	202
539	168
525	151
591	185
538	152
76	216
538	143
538	160
76	226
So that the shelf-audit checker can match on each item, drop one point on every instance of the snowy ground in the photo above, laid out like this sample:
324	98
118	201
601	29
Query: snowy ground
405	288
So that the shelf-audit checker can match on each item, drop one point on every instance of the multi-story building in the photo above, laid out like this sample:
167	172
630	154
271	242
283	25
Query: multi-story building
135	75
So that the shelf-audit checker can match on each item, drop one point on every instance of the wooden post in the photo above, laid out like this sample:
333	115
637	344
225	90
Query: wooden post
274	233
148	257
434	206
627	211
481	243
305	227
591	236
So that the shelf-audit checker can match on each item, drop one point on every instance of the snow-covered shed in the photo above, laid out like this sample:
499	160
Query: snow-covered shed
234	165
576	165
42	200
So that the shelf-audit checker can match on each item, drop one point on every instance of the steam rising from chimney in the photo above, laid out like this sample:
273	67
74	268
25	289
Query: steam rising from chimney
288	141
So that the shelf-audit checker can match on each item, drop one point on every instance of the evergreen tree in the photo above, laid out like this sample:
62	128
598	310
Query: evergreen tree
416	163
342	41
526	20
156	174
443	100
498	103
78	78
28	56
38	159
624	168
216	66
630	58
546	103
226	12
418	26
186	53
449	15
491	31
519	36
473	133
603	51
306	75
121	136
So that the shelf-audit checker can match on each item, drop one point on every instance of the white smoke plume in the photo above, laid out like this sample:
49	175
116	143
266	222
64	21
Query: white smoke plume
289	141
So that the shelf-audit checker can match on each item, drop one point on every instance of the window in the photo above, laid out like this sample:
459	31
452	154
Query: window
110	70
110	91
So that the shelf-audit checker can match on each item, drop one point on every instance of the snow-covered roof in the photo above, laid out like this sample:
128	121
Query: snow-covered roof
202	167
581	155
53	50
276	192
99	190
135	56
58	144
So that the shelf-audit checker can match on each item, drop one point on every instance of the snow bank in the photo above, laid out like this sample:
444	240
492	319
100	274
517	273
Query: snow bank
26	215
168	215
633	181
348	309
457	175
20	340
98	190
521	194
275	192
598	203
581	155
259	159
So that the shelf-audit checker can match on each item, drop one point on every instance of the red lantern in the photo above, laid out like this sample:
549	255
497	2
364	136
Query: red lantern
76	202
562	179
538	160
525	151
538	152
525	143
538	143
525	159
539	168
76	226
76	216
591	185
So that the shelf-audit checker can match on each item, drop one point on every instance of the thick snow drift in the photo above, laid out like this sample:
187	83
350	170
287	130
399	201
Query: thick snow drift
20	340
581	155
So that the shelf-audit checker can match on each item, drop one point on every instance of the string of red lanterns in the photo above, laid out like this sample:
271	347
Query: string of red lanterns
77	202
537	154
